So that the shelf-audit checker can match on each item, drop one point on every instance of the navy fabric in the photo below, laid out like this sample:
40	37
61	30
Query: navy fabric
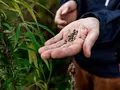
105	53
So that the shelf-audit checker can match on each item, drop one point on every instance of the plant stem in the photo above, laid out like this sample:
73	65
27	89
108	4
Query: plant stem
14	85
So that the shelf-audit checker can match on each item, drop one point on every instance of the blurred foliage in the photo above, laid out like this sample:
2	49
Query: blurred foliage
23	29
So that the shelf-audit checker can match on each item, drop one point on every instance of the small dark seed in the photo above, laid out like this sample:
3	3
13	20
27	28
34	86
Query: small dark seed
74	30
72	36
65	42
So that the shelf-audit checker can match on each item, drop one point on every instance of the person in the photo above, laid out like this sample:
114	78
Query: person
91	33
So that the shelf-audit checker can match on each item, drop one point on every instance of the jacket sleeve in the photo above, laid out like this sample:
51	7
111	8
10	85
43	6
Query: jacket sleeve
109	24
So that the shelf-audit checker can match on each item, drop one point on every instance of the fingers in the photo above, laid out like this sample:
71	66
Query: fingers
55	39
48	52
58	18
69	49
89	42
59	21
60	26
55	45
83	32
65	11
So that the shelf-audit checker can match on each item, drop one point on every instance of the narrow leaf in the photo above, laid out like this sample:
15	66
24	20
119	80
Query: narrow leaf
39	34
8	26
18	33
19	10
30	9
44	27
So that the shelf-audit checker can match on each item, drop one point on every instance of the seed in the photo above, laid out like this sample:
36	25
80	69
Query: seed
65	42
72	36
76	32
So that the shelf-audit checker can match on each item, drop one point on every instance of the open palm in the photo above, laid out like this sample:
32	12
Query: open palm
72	39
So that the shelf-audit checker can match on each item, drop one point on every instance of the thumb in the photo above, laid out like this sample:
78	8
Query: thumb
68	7
65	11
89	42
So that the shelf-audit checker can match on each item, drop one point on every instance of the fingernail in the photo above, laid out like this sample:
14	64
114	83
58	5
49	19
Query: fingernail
39	50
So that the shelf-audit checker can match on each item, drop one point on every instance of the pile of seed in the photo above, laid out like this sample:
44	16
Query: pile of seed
72	36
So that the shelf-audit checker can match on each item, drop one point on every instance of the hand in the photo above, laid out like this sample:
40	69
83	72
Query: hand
66	14
77	35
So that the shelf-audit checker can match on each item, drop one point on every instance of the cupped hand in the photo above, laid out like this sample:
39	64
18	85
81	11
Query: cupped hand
78	35
66	14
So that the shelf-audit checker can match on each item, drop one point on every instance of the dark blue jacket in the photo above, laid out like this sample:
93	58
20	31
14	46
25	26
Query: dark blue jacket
105	58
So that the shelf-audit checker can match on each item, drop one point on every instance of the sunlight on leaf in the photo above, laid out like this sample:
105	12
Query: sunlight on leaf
19	10
30	9
33	57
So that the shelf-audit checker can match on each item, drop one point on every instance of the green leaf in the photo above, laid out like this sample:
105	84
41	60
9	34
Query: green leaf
50	69
3	15
33	39
18	33
19	10
50	62
33	58
41	86
24	47
44	27
39	34
8	26
8	7
47	63
10	87
30	9
33	1
4	3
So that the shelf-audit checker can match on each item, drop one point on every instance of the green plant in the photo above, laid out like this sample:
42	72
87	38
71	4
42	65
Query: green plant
22	31
21	67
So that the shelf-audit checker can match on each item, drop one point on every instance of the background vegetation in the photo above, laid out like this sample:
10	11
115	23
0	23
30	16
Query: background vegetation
23	29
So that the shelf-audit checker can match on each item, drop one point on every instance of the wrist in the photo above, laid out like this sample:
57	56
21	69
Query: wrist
92	18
